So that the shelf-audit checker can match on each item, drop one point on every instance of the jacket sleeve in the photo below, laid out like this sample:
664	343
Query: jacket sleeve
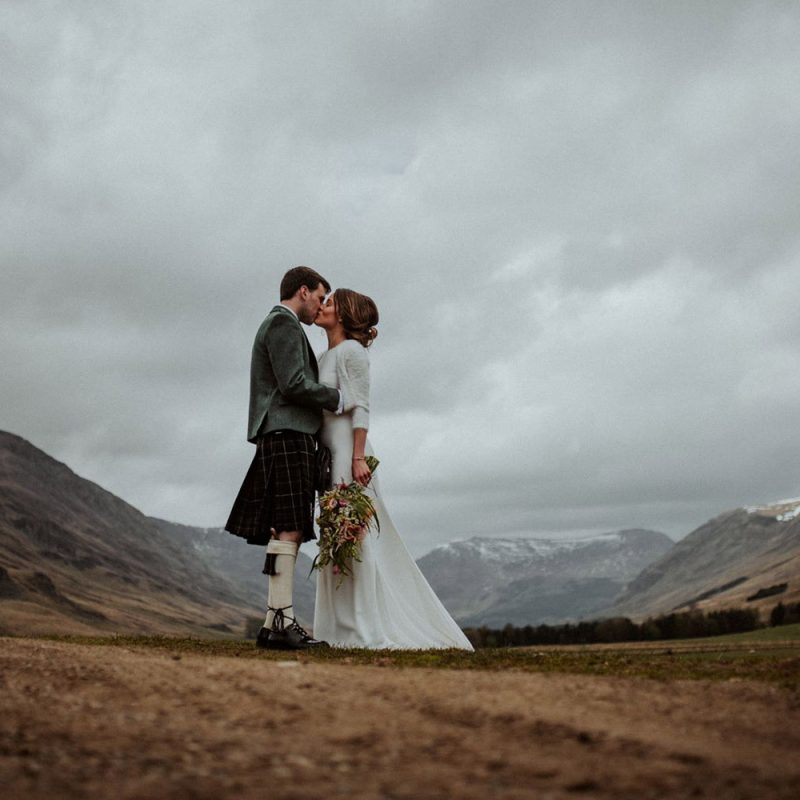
284	343
352	368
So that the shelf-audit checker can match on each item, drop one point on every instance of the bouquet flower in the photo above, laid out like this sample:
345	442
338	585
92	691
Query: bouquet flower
346	513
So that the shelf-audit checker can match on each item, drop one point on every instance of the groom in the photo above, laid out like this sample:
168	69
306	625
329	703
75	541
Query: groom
275	505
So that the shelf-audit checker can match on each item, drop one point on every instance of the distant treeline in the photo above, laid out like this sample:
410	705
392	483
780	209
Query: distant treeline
787	614
686	625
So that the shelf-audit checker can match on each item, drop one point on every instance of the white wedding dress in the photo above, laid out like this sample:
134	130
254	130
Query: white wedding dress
386	603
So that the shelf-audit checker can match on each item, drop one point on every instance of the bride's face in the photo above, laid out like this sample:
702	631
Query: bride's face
327	317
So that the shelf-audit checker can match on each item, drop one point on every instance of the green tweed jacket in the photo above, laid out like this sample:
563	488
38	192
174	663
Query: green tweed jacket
284	390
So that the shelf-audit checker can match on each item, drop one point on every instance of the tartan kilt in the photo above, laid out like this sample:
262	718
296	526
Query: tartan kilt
278	490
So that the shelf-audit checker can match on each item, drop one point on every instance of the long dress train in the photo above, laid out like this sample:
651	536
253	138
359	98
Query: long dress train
387	602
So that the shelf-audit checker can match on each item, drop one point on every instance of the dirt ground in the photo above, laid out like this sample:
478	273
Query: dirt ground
86	721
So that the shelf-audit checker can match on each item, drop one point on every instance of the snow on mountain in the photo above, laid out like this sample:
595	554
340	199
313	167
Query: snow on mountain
781	510
492	581
490	548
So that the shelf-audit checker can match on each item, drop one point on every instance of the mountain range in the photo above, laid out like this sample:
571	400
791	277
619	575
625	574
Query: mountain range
488	581
748	557
76	559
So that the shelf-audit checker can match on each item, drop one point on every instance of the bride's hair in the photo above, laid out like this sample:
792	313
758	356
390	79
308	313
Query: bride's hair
359	315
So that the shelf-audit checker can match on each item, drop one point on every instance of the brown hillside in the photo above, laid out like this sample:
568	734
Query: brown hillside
744	558
76	559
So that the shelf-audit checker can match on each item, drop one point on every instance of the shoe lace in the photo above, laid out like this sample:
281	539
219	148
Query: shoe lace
279	620
297	628
279	623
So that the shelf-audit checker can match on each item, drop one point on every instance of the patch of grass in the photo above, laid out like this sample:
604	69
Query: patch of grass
780	633
776	664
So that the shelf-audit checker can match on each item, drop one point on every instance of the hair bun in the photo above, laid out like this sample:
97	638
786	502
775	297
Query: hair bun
358	314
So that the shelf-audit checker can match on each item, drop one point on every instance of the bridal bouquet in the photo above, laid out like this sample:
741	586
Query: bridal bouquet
346	514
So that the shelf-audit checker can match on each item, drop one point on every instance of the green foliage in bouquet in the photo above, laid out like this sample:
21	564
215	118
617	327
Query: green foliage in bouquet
346	513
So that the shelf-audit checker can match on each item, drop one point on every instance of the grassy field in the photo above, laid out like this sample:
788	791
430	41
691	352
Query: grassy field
769	655
172	718
781	633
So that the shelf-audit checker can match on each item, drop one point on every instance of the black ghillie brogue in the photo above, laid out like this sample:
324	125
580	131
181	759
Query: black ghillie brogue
263	638
283	636
293	637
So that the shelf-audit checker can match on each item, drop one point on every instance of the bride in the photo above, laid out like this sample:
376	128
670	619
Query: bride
386	603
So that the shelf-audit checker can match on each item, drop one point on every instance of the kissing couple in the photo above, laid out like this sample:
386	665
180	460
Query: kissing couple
296	401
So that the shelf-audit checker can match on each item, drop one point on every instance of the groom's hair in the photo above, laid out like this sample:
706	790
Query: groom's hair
301	276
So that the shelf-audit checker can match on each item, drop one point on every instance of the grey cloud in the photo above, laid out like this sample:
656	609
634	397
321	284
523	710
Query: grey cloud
578	221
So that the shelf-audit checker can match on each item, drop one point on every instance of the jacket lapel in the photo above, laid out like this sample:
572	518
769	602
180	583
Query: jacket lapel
311	357
281	309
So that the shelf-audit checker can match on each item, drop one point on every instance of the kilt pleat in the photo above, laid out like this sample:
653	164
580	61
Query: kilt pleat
278	490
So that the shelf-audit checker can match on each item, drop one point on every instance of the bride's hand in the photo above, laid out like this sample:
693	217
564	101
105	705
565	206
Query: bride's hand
361	473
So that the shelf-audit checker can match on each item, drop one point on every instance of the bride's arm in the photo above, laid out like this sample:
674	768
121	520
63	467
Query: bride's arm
361	472
353	369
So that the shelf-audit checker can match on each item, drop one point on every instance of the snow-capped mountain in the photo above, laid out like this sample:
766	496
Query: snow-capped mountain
488	581
781	510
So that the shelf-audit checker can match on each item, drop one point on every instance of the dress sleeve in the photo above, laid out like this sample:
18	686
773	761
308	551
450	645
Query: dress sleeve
352	369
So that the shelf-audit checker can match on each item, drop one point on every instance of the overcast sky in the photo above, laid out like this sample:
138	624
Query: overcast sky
580	223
